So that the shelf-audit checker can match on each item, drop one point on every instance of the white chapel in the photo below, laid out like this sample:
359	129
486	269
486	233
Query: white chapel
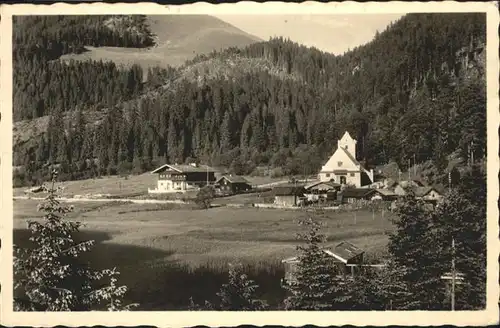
343	167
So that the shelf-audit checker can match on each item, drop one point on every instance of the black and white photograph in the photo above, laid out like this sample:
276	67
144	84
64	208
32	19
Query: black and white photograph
232	160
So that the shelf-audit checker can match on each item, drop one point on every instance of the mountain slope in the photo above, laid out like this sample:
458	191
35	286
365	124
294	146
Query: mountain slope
280	104
177	39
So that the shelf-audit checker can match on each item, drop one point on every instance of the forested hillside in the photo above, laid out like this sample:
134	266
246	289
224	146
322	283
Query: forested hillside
416	91
45	86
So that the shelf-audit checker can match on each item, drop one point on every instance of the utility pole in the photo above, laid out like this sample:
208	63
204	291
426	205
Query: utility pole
453	274
207	175
449	180
455	277
472	152
409	169
414	165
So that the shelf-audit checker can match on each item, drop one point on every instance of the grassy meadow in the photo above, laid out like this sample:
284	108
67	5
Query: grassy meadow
178	38
130	186
169	252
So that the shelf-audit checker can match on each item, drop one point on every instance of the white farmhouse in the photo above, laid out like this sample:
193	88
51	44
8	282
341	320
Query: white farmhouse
343	167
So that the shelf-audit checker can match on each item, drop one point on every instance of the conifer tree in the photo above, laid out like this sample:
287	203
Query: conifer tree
415	256
316	284
239	293
51	275
462	216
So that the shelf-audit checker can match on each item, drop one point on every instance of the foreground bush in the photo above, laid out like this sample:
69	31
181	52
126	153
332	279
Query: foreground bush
205	197
238	294
50	276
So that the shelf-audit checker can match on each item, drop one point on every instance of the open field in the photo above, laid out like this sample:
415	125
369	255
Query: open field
131	186
158	247
218	233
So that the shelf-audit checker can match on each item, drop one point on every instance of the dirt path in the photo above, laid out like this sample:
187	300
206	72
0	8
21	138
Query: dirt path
272	184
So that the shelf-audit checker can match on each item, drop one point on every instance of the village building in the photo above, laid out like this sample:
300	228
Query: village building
384	194
182	178
429	194
401	186
232	184
289	195
343	168
345	256
351	195
321	190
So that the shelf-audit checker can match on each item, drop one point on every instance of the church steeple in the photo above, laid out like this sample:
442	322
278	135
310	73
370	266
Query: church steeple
348	143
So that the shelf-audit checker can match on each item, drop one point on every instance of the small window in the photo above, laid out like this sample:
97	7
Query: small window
352	174
328	175
339	164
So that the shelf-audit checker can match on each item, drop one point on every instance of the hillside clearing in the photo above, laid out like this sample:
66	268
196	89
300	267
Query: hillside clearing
178	38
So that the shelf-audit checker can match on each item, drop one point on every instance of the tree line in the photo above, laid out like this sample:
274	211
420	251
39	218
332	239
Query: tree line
408	94
43	84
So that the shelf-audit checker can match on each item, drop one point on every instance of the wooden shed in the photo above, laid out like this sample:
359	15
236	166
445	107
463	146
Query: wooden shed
345	256
289	195
350	195
232	184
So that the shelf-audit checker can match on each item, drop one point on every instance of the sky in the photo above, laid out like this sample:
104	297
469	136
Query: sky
331	33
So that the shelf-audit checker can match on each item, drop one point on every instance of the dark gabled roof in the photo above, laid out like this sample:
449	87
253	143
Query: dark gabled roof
356	192
422	191
317	183
343	252
346	251
233	179
184	168
288	191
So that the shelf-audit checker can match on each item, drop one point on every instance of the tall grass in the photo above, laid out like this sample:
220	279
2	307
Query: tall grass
170	286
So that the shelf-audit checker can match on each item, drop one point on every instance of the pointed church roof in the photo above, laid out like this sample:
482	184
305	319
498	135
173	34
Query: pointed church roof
347	134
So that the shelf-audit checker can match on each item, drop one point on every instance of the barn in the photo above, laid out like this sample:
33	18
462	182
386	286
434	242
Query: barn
319	189
351	195
232	184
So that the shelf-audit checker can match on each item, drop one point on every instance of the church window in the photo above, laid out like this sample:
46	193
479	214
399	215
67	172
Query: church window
352	174
339	164
328	175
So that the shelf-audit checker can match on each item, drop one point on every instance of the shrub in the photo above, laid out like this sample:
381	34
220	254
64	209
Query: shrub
205	196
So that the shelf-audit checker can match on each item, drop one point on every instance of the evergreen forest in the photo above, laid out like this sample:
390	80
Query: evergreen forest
415	92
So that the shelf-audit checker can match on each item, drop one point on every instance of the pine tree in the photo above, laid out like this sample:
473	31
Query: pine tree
239	293
394	291
316	284
51	276
225	133
413	249
462	216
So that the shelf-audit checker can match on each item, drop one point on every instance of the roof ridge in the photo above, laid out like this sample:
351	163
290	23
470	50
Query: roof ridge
351	157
